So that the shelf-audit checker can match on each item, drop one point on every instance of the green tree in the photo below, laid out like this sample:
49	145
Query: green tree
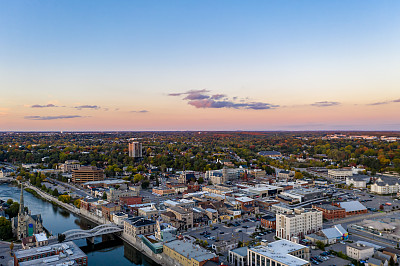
145	184
77	203
55	193
5	229
320	245
137	178
201	180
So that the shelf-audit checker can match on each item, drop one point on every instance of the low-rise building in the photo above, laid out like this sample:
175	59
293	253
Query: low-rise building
67	253
86	174
268	221
330	212
130	200
340	175
119	217
238	256
385	185
135	226
359	251
163	191
186	254
115	194
357	181
352	207
303	194
281	252
108	209
149	212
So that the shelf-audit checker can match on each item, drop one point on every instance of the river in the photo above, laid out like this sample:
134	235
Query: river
57	220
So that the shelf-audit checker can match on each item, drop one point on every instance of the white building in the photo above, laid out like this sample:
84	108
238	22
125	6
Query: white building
281	252
223	175
359	251
357	181
299	223
70	165
339	174
385	185
238	257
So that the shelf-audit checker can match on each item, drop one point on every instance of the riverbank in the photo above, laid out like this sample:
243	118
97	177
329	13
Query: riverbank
135	242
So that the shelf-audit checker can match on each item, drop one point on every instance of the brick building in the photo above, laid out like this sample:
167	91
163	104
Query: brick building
330	212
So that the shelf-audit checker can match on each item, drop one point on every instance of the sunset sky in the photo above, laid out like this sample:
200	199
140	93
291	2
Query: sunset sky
199	65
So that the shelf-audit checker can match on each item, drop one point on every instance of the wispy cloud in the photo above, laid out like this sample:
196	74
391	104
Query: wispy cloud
201	99
141	111
385	102
94	107
325	104
44	106
37	117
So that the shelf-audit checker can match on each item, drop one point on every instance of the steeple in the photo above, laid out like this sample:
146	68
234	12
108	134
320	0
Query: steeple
21	200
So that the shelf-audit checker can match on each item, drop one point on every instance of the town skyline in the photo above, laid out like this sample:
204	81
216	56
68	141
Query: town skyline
226	66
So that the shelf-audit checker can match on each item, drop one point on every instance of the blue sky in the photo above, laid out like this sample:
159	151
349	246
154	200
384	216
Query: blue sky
128	56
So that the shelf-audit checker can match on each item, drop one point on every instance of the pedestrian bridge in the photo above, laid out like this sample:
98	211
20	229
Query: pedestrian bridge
100	230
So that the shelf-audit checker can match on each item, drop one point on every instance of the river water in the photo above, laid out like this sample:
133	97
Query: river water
57	220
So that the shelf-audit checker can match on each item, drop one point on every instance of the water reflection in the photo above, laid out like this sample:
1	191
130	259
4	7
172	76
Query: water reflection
56	220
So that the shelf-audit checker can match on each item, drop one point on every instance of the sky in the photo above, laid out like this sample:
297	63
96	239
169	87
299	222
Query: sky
199	65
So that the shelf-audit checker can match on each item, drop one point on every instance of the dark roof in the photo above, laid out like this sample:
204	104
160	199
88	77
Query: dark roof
269	153
139	221
328	207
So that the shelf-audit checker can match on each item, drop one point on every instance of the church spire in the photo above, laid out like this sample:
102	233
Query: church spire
21	200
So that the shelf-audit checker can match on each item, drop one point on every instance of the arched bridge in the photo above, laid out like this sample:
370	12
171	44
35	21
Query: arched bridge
103	229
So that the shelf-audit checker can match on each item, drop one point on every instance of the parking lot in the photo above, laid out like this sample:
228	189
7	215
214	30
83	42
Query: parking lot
220	232
370	200
332	260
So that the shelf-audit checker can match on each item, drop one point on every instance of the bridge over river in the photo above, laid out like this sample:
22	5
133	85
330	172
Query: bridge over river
100	230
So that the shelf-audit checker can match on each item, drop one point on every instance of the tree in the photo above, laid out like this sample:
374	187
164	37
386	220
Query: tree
9	202
201	180
137	178
5	228
11	246
13	210
320	245
55	193
61	238
77	203
64	198
145	184
104	197
298	175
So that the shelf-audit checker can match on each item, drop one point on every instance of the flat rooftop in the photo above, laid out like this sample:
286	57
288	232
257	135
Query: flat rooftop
279	251
189	250
68	252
